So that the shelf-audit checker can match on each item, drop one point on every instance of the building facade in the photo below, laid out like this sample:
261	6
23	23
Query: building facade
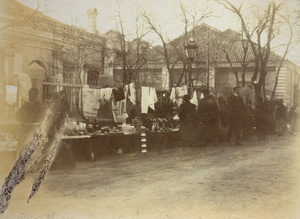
52	54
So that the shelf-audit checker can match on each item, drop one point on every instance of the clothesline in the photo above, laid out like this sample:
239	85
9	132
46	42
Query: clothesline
93	98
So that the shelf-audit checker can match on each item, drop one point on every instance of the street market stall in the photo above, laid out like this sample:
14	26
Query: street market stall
108	124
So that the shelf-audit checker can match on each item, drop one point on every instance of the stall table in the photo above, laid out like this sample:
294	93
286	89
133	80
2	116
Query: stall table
94	146
113	143
81	146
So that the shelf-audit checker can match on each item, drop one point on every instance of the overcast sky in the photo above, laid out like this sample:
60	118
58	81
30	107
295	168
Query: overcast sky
164	12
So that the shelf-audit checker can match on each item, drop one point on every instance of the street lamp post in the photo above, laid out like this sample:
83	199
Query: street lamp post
190	50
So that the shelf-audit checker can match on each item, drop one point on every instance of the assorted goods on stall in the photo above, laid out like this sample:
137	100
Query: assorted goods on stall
113	112
111	104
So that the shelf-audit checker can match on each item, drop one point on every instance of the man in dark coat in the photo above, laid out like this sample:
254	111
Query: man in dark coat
224	118
280	114
30	114
236	111
209	116
260	119
188	120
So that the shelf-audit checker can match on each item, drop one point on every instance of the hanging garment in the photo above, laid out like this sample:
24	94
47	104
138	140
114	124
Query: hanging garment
194	99
119	94
88	102
96	98
105	95
119	110
181	91
132	93
145	99
172	95
152	98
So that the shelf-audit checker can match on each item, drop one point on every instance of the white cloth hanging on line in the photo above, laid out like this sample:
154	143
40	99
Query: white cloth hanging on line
194	99
179	93
173	95
132	93
105	94
119	110
145	99
152	98
89	102
149	98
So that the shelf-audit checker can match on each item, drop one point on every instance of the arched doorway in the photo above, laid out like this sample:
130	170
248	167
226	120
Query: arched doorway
36	70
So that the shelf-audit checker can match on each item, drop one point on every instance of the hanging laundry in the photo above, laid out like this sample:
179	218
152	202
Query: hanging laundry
119	110
173	95
119	94
179	101
181	91
105	95
194	99
96	99
132	93
145	99
89	102
152	98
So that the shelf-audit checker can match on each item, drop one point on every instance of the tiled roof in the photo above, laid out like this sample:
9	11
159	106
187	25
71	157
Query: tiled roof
218	40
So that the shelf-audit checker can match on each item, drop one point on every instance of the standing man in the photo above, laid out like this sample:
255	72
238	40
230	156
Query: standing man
30	114
280	113
187	121
236	111
209	116
260	119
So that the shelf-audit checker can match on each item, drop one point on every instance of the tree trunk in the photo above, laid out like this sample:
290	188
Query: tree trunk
236	78
243	75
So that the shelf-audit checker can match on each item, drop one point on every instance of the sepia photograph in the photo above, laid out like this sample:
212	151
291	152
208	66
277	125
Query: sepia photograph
149	109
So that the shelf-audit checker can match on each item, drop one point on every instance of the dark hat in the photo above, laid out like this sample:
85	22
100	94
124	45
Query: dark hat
186	97
236	87
205	92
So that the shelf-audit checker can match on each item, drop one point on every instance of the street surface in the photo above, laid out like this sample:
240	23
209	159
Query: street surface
259	179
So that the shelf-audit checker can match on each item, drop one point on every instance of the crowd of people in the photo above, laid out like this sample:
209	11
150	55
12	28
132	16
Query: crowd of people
233	120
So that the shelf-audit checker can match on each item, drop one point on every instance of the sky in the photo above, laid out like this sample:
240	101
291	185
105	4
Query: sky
164	13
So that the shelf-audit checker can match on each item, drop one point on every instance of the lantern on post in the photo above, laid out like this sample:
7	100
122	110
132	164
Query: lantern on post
190	51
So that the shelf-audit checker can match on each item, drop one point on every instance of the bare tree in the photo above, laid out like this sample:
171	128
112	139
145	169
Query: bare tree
192	18
234	49
173	50
166	54
131	52
288	47
264	30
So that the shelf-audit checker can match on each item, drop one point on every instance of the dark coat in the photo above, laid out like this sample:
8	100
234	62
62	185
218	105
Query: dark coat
236	108
280	112
187	112
31	112
187	117
208	110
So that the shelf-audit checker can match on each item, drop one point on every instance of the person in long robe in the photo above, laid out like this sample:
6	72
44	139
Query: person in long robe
209	116
187	121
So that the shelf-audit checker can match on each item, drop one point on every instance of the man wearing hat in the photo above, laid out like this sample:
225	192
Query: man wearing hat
209	116
30	115
236	111
187	118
